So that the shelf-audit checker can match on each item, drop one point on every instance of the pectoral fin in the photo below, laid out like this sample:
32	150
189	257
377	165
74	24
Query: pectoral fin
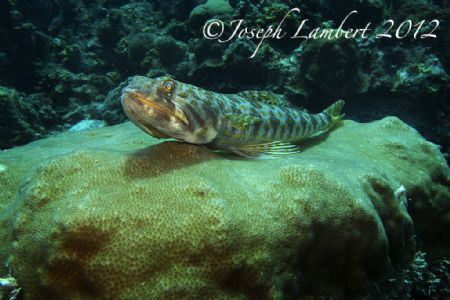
266	150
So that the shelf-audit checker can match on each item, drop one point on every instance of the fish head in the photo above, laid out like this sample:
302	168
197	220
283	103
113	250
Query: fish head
153	103
175	109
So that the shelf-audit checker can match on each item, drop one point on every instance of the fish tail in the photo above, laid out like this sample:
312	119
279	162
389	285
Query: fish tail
334	111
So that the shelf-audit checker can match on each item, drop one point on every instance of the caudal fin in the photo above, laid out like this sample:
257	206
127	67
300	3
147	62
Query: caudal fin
334	111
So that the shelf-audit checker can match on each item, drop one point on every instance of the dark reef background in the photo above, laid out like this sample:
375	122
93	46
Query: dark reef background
61	59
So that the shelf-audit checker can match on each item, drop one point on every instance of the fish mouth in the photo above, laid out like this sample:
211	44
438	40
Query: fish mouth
177	113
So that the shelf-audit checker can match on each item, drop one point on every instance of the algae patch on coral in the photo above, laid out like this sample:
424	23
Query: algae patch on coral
113	213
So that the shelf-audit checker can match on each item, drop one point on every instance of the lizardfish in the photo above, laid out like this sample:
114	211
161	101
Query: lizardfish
250	123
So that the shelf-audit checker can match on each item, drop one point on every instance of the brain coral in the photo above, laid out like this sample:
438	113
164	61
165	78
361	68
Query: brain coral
111	213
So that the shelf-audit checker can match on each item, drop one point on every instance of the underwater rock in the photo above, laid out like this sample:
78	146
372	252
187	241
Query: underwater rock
138	45
418	9
23	117
421	279
111	109
87	124
232	63
170	51
110	29
416	73
330	68
113	213
211	8
428	77
368	11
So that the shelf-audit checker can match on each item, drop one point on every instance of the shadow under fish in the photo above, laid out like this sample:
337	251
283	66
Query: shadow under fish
165	157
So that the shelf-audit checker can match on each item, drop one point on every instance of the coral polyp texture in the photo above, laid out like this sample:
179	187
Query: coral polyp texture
111	213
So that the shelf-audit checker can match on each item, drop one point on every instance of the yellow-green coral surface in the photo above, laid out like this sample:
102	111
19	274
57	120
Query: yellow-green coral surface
113	214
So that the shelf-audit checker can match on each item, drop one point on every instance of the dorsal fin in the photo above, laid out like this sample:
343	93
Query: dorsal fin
265	97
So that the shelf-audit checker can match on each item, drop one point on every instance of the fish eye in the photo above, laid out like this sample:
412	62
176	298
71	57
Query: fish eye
168	86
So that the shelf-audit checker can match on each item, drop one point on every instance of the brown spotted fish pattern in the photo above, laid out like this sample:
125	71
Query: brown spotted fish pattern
250	123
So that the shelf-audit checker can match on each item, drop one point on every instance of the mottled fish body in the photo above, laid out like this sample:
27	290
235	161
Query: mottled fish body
250	123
